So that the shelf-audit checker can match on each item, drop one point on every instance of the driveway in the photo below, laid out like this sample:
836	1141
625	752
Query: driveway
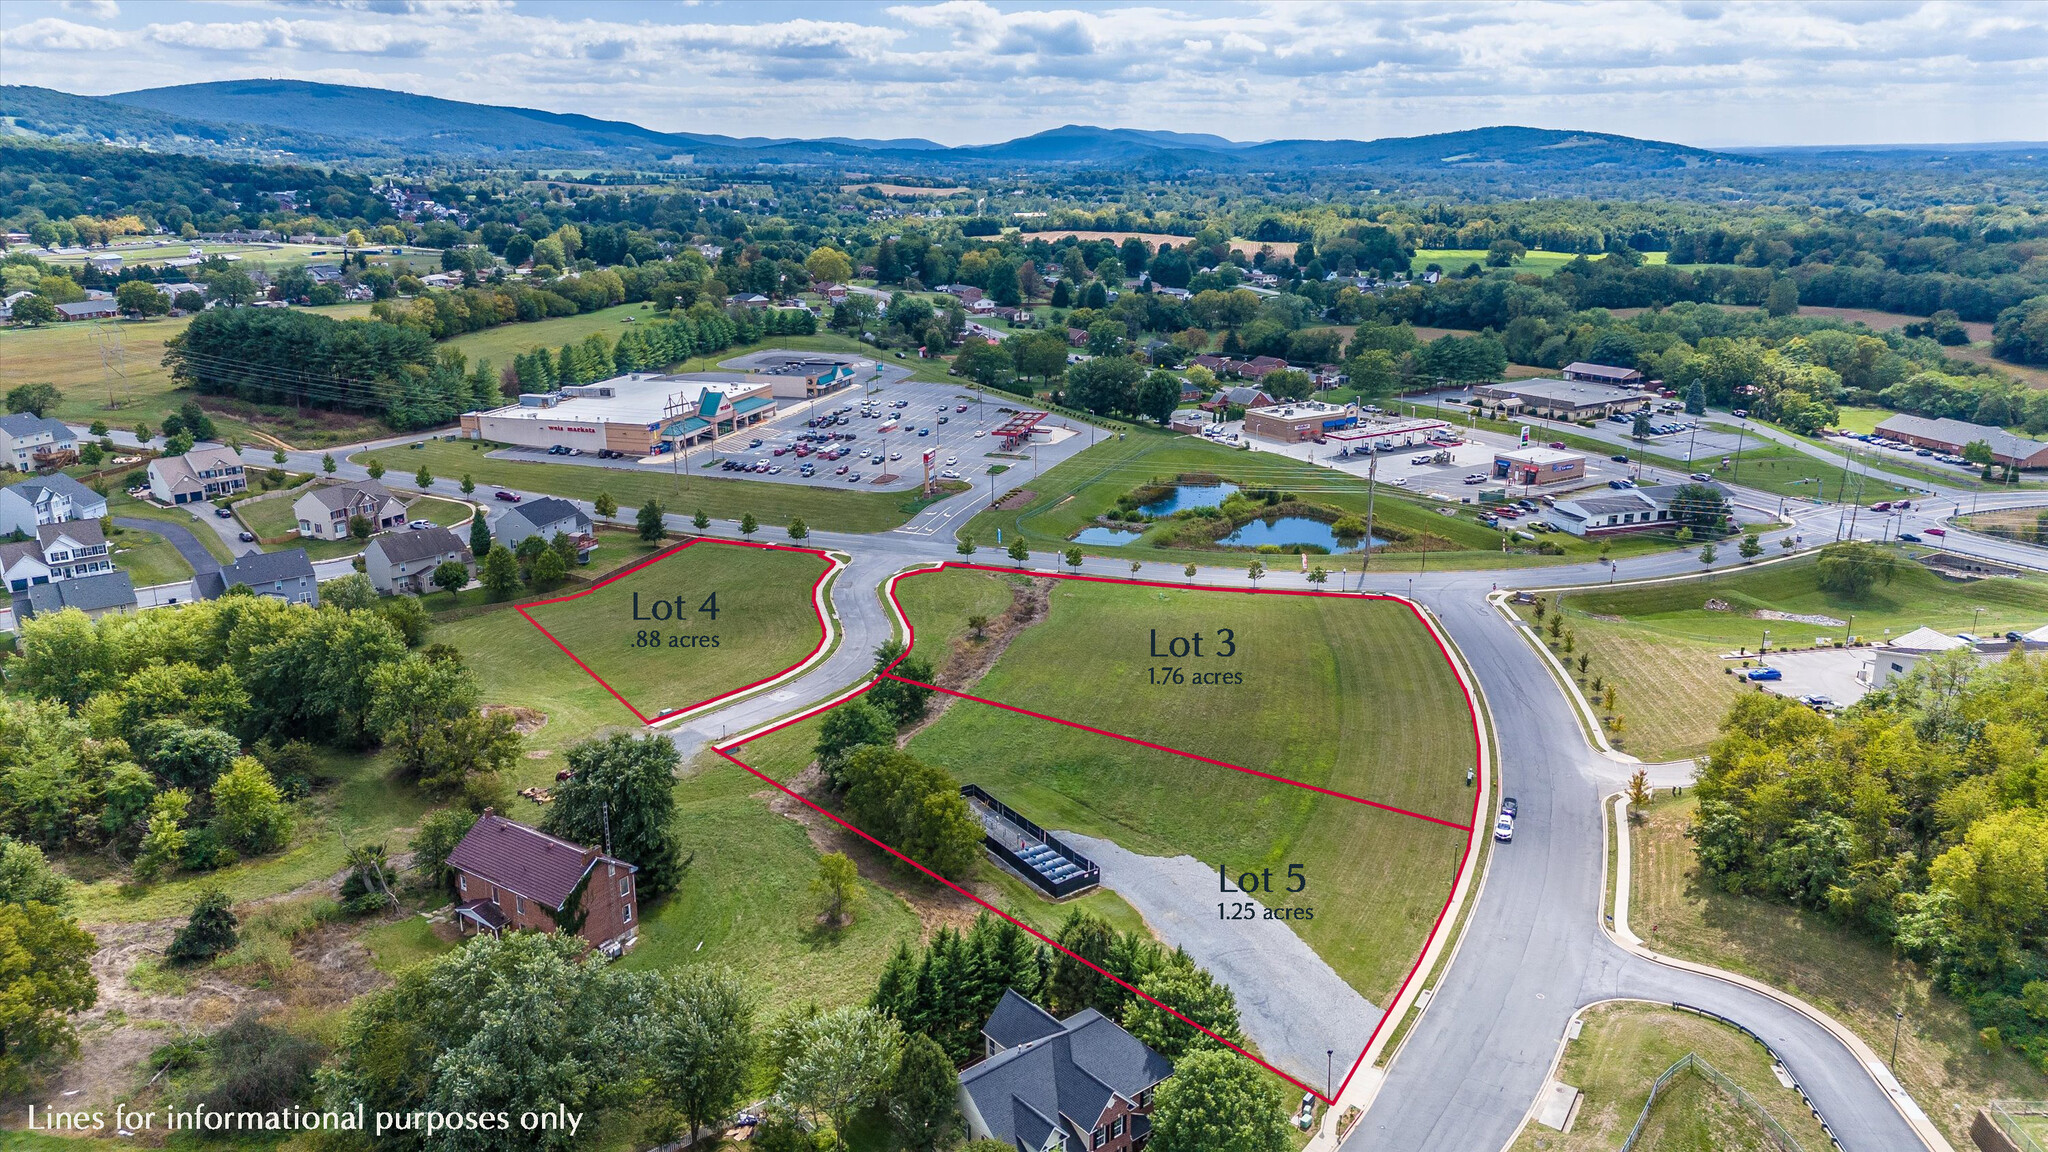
1289	1000
180	537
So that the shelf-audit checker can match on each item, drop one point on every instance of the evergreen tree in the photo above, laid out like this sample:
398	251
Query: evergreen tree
1074	985
209	932
479	536
649	520
923	1095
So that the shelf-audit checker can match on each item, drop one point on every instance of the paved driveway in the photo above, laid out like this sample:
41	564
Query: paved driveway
180	537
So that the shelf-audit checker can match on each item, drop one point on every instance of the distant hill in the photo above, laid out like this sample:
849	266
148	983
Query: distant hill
334	122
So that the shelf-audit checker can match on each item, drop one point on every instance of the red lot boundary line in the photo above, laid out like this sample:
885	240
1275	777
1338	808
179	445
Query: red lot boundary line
824	629
1186	755
1386	1013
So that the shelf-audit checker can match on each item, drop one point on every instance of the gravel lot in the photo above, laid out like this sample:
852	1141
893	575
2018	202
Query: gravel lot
1292	1004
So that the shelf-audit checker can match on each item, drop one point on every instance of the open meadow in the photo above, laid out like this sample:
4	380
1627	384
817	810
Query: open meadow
1350	696
705	620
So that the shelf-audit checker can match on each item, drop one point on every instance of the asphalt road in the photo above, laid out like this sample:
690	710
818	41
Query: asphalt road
180	537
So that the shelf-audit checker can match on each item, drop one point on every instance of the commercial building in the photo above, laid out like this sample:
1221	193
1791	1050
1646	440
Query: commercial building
1602	374
1952	436
1560	399
1609	511
636	415
1383	435
1538	466
1298	420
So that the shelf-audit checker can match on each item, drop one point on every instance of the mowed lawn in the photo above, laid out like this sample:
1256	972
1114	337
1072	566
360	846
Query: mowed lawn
1622	1050
147	557
836	509
661	657
1346	695
1661	646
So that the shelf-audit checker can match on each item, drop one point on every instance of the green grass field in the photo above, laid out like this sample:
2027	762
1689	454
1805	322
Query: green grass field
274	523
148	558
1067	499
1856	981
96	364
1347	695
836	509
1622	1050
1454	260
1660	646
763	621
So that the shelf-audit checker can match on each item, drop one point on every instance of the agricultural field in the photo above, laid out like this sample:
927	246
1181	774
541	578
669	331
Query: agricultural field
113	370
1351	696
726	500
704	620
1856	981
1622	1050
1537	262
1660	646
1067	498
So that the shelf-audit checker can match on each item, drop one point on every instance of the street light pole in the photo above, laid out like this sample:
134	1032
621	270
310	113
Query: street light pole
1898	1018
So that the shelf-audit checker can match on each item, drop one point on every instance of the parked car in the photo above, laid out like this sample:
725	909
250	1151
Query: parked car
248	537
1504	828
1700	478
1508	806
1765	674
508	497
419	525
1476	478
1424	459
960	408
224	513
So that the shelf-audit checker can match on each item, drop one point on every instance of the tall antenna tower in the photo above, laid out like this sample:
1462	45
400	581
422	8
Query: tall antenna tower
113	357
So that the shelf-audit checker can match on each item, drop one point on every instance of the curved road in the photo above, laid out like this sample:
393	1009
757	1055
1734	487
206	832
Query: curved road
1533	949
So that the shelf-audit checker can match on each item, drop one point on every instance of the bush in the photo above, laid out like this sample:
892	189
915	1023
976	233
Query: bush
255	1067
211	930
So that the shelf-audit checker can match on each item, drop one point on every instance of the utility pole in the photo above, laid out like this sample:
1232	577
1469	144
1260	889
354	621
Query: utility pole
1372	469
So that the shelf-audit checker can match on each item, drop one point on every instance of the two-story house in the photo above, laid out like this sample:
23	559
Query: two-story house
51	499
207	471
94	595
545	517
286	576
29	442
509	877
404	562
1082	1084
324	513
56	552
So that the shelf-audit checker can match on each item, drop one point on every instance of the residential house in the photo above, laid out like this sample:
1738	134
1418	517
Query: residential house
88	310
404	562
205	472
1082	1084
747	300
324	273
1240	396
50	499
965	293
1218	366
8	302
545	517
324	513
286	576
29	442
21	565
62	551
1077	338
833	293
982	307
94	595
512	877
1258	367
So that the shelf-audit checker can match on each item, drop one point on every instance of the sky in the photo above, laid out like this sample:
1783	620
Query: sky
1700	72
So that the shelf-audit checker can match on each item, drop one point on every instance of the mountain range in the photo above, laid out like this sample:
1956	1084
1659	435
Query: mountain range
292	119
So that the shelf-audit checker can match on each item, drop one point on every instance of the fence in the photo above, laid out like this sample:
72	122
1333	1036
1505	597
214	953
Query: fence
1053	868
1796	1085
1692	1063
2006	1115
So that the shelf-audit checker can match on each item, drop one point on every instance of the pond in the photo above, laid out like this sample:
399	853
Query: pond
1284	530
1189	496
1105	537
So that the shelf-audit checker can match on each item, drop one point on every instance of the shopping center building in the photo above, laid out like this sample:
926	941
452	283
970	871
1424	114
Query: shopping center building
638	414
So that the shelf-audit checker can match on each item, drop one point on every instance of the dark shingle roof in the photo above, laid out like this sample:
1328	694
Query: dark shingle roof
1017	1020
87	594
1022	1092
418	545
546	510
57	481
522	859
255	569
21	424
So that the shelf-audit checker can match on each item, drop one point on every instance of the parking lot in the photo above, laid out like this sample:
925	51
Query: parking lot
1417	470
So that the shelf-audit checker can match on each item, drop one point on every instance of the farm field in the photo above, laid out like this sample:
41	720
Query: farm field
1067	499
700	621
828	508
1537	262
94	363
1660	646
1317	705
1857	982
1622	1050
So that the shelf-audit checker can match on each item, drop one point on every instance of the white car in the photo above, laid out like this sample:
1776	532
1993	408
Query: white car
978	433
895	455
1504	828
1399	481
419	525
949	474
952	460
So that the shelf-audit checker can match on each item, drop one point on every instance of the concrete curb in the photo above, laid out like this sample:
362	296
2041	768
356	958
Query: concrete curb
1866	1057
826	612
1588	719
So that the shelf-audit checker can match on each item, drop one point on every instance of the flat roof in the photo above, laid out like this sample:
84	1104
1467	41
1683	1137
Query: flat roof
643	400
1305	409
1388	428
1538	456
1563	391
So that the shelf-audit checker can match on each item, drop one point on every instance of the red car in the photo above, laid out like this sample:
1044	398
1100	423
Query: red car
1936	531
509	497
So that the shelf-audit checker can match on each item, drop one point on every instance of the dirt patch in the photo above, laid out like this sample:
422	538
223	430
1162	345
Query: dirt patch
970	659
525	721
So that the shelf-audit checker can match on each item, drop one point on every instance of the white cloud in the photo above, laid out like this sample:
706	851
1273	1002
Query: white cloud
53	35
93	9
